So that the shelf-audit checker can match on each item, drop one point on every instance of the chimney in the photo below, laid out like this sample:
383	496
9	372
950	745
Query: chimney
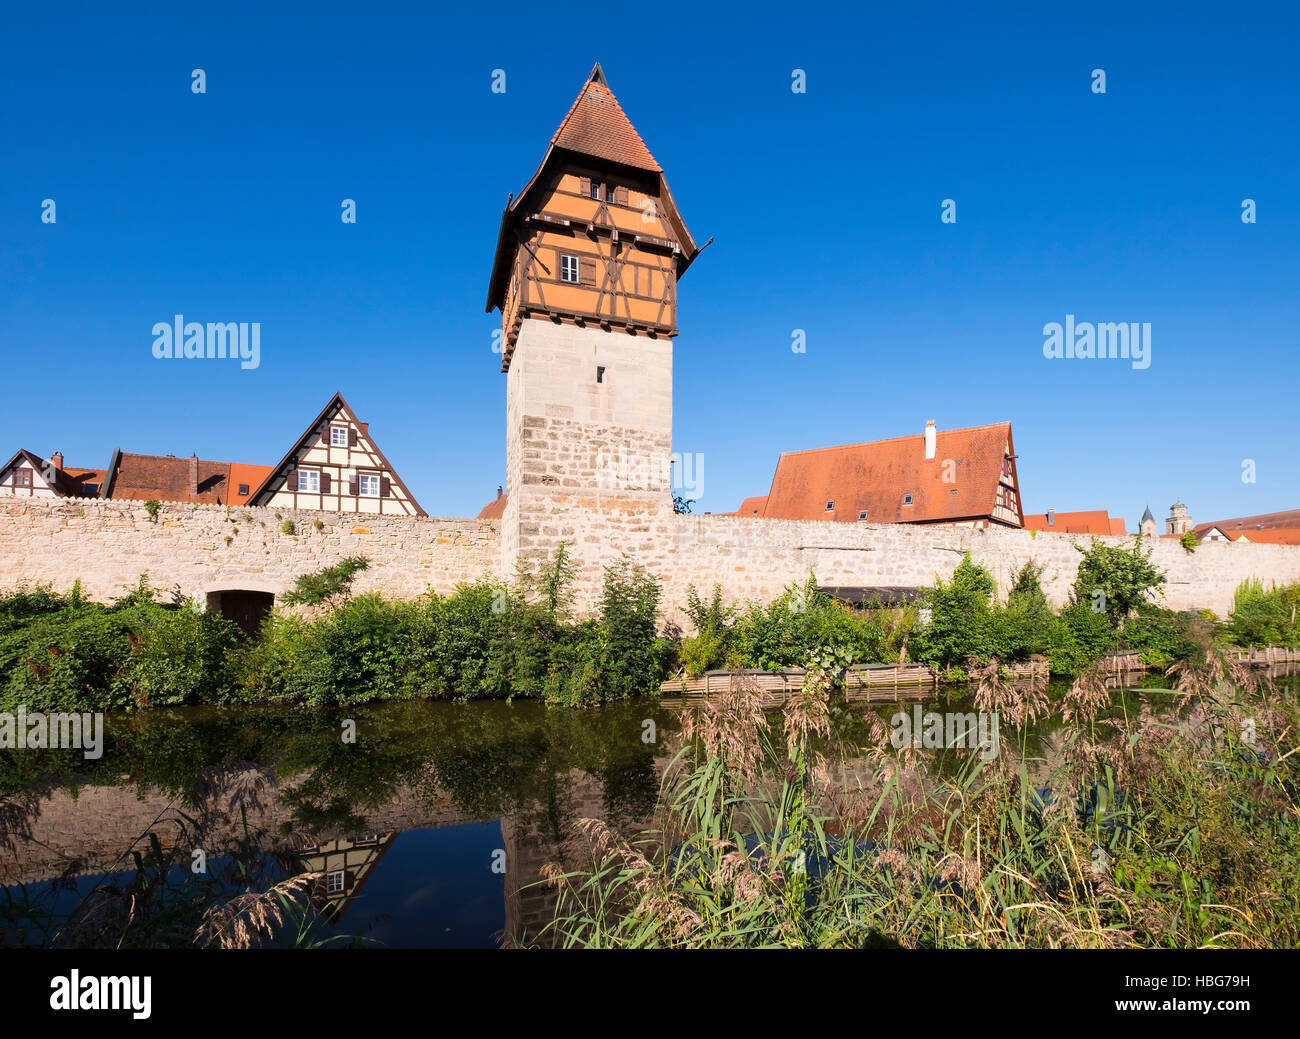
194	474
498	490
57	459
931	436
1051	517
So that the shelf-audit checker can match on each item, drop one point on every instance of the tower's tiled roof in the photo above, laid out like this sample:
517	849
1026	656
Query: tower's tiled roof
596	125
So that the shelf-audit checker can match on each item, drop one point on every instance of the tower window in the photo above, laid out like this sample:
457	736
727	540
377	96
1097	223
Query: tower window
907	499
830	506
569	269
600	374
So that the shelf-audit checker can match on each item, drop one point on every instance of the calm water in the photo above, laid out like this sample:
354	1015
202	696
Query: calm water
430	829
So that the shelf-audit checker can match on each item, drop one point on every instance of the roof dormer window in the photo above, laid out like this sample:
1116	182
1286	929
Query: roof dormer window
830	506
907	499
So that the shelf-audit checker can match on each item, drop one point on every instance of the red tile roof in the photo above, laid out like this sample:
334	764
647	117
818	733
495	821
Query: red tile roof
1275	536
167	478
875	476
752	506
1251	524
1097	521
494	509
596	125
81	483
243	474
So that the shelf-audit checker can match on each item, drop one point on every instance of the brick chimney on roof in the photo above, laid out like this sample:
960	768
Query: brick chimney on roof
57	459
194	474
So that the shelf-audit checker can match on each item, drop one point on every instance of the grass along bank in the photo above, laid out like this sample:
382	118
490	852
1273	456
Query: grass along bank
1133	833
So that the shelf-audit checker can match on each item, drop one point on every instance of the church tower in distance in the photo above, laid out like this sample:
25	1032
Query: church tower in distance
585	275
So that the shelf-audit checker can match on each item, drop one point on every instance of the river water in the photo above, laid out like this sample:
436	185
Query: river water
429	828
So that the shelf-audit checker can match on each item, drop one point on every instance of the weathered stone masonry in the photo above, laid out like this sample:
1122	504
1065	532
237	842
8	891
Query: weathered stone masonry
108	544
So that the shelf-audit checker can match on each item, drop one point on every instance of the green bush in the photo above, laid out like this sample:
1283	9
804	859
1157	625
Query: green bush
1124	576
961	619
180	657
1264	617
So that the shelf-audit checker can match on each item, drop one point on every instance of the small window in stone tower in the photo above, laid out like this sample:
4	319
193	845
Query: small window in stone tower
600	374
569	269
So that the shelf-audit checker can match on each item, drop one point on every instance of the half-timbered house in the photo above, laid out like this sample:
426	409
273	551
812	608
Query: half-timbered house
26	475
336	466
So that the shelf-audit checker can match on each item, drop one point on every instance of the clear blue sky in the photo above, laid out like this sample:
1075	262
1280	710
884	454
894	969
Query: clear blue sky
825	207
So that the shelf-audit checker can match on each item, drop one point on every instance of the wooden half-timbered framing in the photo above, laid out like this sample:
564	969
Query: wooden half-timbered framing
336	466
595	237
26	476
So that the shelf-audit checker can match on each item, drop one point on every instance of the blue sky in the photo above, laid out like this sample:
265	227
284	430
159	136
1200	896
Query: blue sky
825	207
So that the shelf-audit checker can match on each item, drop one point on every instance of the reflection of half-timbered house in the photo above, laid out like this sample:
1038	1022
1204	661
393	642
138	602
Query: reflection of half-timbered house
345	864
336	466
956	477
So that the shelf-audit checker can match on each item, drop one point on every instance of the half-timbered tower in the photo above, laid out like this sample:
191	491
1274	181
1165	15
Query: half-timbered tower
587	263
336	466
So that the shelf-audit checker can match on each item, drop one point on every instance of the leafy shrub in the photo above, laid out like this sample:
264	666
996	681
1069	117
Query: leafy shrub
1264	617
961	622
327	585
1124	576
180	657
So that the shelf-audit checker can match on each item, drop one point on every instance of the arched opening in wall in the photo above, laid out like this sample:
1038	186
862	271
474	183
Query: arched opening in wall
247	608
